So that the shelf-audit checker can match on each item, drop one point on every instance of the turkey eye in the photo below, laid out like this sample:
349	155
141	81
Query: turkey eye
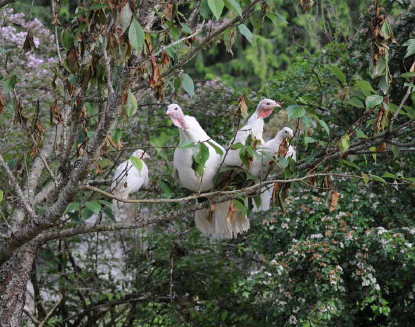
267	103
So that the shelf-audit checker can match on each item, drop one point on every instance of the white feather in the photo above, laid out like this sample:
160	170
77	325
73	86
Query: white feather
218	227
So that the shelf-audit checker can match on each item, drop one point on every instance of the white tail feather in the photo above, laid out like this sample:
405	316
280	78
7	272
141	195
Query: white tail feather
266	195
219	227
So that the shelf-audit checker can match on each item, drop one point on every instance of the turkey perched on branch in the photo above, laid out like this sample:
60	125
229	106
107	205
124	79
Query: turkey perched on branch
261	167
195	166
129	179
254	127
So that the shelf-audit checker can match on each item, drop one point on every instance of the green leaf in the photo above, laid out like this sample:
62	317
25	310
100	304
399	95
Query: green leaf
389	175
105	203
137	163
186	145
223	315
377	178
186	28
386	30
1	195
93	206
308	140
131	104
344	143
410	51
295	111
355	102
165	188
125	17
365	87
324	125
188	85
408	75
204	9
240	206
373	101
235	5
85	213
351	164
360	134
217	149
338	73
97	6
202	155
9	84
136	35
216	6
73	206
242	156
67	39
395	151
245	32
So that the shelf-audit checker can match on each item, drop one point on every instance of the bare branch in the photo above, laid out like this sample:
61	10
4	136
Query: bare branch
6	2
15	186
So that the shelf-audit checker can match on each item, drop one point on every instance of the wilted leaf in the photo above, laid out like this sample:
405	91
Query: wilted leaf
125	17
333	200
29	44
231	212
243	108
168	12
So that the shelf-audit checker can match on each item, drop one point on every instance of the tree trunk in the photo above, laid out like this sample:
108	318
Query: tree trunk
14	275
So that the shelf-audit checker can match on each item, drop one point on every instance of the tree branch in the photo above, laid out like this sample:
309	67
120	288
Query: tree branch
6	2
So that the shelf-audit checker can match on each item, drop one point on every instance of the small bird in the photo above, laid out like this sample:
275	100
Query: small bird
214	219
261	167
127	180
254	127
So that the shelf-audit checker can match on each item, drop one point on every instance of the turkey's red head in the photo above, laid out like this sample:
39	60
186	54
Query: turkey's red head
176	115
265	107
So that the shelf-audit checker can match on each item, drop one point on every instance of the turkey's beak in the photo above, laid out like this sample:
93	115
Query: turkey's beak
169	113
145	156
277	104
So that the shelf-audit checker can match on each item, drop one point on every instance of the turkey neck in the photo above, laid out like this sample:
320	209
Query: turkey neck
256	125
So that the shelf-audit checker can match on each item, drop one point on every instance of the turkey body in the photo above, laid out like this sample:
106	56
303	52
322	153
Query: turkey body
183	159
255	128
215	223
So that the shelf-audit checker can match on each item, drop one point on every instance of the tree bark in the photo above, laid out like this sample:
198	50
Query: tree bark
14	275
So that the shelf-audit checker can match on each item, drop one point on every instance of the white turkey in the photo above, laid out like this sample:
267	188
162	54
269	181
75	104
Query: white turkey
215	223
128	179
262	166
254	127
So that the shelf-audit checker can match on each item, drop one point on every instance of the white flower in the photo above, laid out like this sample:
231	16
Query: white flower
292	320
377	287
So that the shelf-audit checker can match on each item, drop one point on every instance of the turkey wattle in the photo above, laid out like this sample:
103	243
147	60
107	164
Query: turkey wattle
190	130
